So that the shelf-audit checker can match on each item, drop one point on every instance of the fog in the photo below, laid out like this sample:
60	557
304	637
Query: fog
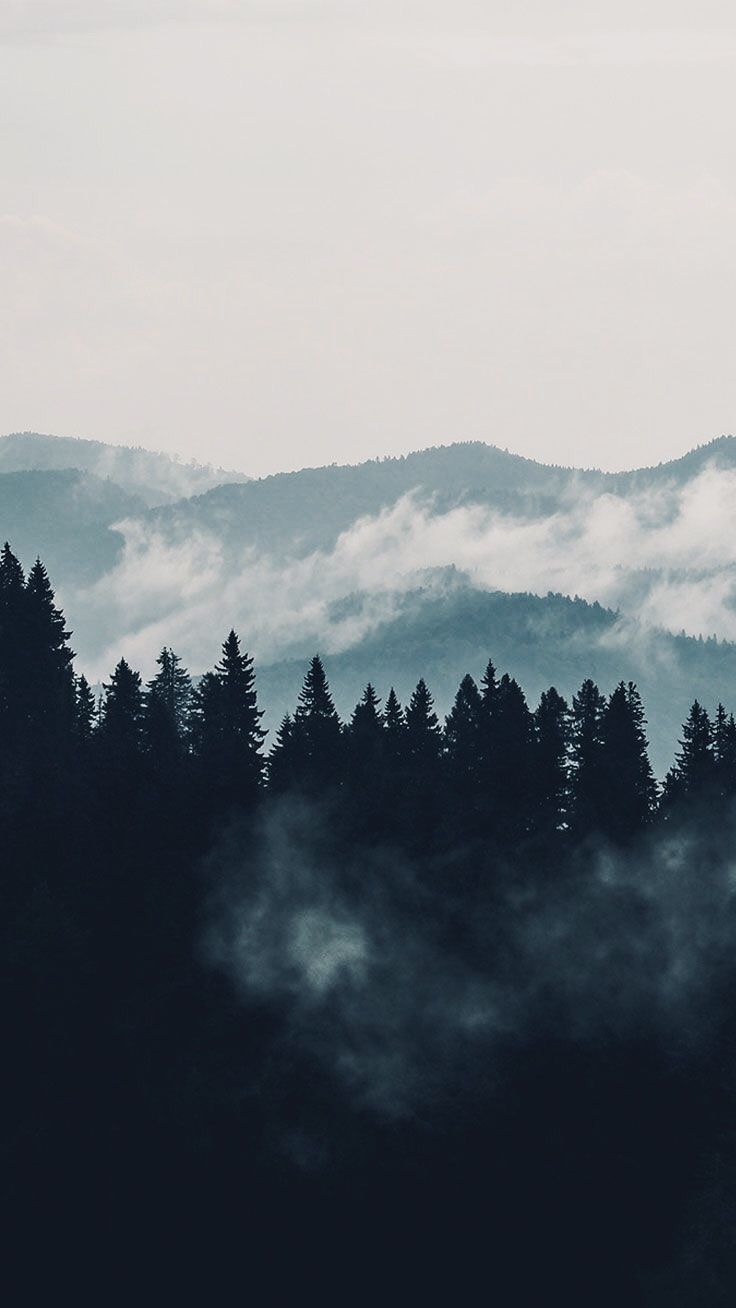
664	559
396	978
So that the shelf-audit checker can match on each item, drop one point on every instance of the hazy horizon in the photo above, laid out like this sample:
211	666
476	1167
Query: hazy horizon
182	457
270	235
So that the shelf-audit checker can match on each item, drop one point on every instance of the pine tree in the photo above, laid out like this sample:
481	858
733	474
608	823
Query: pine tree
551	771
724	753
366	720
395	728
693	776
172	689
205	720
423	736
13	649
463	739
629	788
490	762
489	688
319	731
47	621
365	769
285	764
421	814
86	712
121	717
463	728
586	751
37	696
227	736
364	738
512	763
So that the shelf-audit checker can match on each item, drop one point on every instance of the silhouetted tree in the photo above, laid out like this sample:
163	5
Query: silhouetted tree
227	737
364	737
12	637
512	762
693	775
86	712
463	743
551	770
724	753
121	716
423	737
586	755
422	791
365	768
628	782
318	731
285	764
172	689
395	727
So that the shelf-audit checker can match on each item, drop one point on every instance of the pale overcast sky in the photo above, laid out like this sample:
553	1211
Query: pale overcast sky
278	232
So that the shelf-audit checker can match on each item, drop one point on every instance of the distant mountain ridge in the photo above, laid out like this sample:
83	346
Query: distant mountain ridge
65	516
307	510
133	575
154	477
540	640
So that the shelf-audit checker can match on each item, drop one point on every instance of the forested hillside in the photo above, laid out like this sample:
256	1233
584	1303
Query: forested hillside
154	478
652	546
487	950
544	639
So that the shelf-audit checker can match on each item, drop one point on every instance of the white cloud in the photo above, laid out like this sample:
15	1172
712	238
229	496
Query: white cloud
666	559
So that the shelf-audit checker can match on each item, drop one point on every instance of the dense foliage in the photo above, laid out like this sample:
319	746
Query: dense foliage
143	1081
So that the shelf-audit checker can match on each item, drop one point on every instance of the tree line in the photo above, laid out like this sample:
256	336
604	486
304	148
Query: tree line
139	1087
184	754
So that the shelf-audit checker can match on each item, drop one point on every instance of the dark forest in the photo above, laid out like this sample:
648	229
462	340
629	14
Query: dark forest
392	1008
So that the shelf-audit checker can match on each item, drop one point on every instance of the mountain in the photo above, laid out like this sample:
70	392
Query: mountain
540	640
346	560
307	510
154	478
66	518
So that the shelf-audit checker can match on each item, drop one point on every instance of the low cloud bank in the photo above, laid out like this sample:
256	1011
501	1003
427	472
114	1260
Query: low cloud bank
664	558
399	981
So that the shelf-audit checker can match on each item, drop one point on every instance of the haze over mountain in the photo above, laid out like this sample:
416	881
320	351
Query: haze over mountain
396	567
448	628
301	511
155	478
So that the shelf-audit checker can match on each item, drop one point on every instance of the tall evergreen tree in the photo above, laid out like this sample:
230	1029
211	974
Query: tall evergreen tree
226	733
423	736
395	728
366	719
364	738
285	764
86	712
724	753
693	775
489	688
586	755
421	814
551	770
121	716
512	762
630	791
365	769
463	740
462	733
12	647
318	730
172	689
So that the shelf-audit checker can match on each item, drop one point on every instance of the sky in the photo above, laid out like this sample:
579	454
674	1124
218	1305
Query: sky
273	233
